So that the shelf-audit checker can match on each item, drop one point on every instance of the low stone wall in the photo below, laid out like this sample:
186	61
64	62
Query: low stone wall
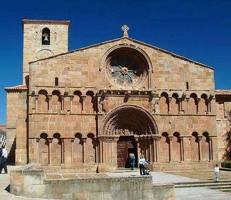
35	183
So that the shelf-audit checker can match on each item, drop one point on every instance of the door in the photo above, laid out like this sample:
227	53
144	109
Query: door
125	145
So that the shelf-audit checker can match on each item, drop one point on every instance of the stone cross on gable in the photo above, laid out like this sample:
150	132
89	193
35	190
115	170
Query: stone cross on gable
125	29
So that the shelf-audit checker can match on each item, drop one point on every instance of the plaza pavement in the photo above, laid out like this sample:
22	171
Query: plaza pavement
157	177
182	193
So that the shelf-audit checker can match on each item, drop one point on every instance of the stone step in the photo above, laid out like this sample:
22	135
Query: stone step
201	184
226	190
125	170
221	187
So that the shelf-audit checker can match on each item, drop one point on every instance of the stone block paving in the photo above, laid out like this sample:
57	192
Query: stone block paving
158	178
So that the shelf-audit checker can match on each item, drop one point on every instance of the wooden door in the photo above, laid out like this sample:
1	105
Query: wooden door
124	146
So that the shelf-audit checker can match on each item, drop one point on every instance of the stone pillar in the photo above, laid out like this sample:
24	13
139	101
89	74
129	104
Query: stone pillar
186	143
199	147
22	153
197	105
213	106
37	150
213	147
71	103
157	106
169	105
156	150
33	102
170	148
62	151
49	150
137	139
84	149
62	102
83	99
181	100
182	149
151	149
101	158
49	103
100	104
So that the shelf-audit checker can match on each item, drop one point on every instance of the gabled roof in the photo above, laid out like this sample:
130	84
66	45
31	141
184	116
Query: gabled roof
133	40
16	88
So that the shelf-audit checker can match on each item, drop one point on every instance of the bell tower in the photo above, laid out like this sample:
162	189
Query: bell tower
43	38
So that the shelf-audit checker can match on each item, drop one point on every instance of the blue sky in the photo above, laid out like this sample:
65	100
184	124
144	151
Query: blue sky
199	30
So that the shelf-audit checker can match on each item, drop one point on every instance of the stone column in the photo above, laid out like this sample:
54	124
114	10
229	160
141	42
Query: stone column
83	99
137	139
100	104
157	105
213	144
49	150
71	102
170	148
49	103
181	100
84	149
181	149
199	147
62	151
169	105
197	105
37	150
62	102
156	145
213	106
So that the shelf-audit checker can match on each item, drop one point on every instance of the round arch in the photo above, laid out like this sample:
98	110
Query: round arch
116	47
129	120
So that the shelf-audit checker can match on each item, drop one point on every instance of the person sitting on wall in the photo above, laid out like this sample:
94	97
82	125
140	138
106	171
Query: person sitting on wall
141	165
4	160
132	159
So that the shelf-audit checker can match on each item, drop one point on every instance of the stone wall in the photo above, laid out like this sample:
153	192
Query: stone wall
33	183
87	68
17	125
223	107
33	49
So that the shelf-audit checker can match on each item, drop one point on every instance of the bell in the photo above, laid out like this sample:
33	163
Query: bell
45	37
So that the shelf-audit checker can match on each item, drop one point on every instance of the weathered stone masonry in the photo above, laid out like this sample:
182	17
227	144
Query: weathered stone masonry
95	105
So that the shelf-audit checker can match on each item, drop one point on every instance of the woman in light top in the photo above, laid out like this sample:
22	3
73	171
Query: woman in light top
141	165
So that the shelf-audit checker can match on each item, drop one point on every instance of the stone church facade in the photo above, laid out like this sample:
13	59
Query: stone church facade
89	108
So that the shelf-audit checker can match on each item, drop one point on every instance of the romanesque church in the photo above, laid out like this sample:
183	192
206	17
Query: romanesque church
89	108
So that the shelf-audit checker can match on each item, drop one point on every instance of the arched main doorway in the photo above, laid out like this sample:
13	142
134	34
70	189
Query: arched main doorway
132	127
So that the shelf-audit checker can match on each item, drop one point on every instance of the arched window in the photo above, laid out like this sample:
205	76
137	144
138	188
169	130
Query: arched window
164	103
56	81
46	36
187	86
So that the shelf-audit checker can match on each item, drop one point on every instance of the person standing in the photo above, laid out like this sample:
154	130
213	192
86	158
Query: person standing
132	160
4	160
141	165
216	173
0	157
